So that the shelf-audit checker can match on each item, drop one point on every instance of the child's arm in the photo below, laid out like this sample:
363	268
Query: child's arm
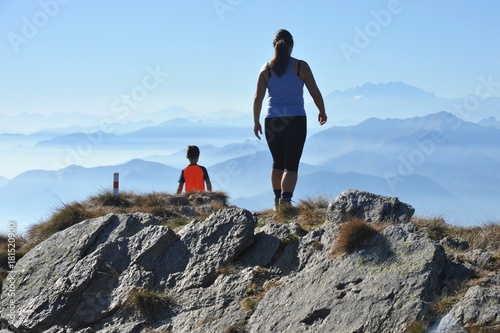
179	188
209	185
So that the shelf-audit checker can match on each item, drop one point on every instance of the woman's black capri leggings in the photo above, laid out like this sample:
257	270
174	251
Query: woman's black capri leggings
285	137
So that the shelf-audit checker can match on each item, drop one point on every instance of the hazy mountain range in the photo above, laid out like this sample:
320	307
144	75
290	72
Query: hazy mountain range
394	99
440	163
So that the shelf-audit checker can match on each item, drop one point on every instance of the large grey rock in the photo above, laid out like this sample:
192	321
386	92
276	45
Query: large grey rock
480	307
79	280
70	277
81	277
355	204
216	242
383	288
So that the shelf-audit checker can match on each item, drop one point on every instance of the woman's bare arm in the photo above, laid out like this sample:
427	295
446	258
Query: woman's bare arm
313	89
260	93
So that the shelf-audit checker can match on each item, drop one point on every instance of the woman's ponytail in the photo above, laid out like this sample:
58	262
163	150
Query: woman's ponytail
283	41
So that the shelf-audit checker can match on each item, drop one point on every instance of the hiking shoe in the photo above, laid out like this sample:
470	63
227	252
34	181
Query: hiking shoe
285	202
276	204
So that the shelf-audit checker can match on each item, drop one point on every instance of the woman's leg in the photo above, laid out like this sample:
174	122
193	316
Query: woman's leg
274	137
288	181
276	178
294	145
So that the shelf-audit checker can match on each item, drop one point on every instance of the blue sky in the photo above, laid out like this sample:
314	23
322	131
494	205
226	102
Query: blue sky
84	56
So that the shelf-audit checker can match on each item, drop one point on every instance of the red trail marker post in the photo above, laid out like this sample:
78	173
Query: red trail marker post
116	186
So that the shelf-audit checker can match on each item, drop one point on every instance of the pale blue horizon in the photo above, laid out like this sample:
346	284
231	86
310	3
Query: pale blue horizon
69	56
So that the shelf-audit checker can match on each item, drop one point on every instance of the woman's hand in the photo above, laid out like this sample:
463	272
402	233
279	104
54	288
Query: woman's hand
322	117
257	129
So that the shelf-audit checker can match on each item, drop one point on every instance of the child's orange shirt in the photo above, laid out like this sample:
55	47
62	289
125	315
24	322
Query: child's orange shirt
194	177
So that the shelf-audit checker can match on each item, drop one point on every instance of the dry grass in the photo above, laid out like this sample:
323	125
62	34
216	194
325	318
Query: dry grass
313	212
493	264
256	290
436	228
310	213
353	235
486	236
236	328
160	204
444	304
229	269
11	246
63	218
416	327
150	303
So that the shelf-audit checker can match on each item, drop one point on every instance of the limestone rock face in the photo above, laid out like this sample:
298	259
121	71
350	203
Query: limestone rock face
230	274
380	289
355	204
480	307
83	275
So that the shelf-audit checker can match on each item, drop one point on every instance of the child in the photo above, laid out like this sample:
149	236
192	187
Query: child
194	176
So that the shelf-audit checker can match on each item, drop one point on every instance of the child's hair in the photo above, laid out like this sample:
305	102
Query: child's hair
193	152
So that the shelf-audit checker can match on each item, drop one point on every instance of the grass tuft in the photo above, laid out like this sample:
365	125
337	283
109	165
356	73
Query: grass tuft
486	236
309	213
150	303
229	269
442	305
313	212
416	327
64	217
176	222
257	289
353	236
493	264
286	213
236	328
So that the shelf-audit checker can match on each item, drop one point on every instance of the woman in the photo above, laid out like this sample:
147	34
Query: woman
285	120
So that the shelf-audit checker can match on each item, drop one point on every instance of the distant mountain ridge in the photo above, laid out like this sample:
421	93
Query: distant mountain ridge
381	136
439	162
400	100
384	90
348	107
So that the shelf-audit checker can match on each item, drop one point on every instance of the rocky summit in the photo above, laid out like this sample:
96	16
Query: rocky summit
233	273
